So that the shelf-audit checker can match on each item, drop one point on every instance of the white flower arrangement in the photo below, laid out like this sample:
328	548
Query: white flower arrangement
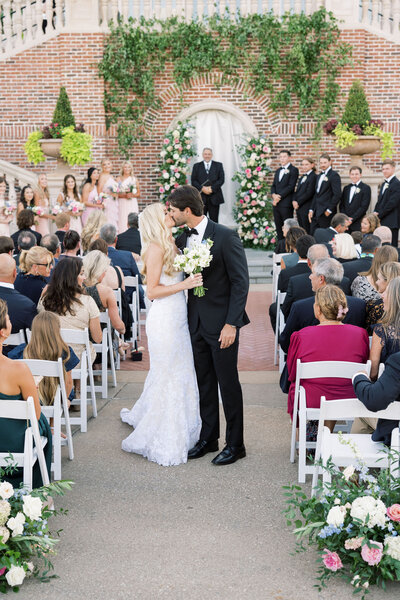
193	260
253	211
176	154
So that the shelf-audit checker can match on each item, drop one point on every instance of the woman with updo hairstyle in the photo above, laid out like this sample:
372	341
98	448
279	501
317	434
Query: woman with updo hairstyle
17	383
91	231
292	236
369	223
35	267
114	274
343	247
332	340
71	243
386	334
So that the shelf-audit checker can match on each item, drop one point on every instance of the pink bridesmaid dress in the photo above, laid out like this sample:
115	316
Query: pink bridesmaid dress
42	224
93	195
126	205
111	205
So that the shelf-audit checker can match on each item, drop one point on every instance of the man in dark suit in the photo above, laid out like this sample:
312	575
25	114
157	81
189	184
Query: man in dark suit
282	191
339	224
208	177
324	271
328	192
305	192
130	239
122	259
214	324
379	394
388	206
356	198
25	220
369	245
21	309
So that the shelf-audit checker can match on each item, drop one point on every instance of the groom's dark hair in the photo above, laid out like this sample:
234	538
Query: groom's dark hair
187	196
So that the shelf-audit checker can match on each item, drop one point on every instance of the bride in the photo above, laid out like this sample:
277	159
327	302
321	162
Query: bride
166	417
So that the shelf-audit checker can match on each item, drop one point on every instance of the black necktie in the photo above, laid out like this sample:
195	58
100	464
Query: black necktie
190	232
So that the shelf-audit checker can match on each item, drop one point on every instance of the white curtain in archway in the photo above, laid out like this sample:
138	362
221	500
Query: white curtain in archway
223	132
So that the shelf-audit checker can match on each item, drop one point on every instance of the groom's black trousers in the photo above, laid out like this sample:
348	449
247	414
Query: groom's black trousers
215	366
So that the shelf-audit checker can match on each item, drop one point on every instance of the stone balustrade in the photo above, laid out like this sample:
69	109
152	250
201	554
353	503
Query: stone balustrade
16	178
26	23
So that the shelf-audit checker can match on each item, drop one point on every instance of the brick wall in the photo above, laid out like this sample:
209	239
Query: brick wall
29	86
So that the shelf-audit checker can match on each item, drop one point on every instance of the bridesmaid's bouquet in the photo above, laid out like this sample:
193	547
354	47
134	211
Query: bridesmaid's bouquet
75	207
9	209
39	211
128	188
56	210
194	260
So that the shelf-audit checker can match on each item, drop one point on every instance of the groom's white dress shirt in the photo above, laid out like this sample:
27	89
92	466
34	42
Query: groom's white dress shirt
200	228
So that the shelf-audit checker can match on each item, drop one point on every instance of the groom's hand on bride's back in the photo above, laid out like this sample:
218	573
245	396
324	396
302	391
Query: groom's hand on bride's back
227	336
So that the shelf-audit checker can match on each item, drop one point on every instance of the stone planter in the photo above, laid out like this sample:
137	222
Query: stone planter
51	147
364	144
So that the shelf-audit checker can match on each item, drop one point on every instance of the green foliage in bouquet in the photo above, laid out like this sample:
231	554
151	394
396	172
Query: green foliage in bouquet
356	110
63	114
33	149
76	147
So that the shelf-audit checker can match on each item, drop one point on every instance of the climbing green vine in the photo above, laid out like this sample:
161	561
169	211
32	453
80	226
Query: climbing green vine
296	59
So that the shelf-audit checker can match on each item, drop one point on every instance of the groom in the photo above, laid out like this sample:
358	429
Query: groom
214	323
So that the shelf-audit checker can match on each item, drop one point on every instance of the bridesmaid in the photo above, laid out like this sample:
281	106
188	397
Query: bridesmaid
42	198
26	199
70	194
109	186
90	195
305	192
5	220
128	196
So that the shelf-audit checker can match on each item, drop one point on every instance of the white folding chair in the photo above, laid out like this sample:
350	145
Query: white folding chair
105	349
58	411
276	269
314	370
280	321
85	370
341	454
15	339
133	282
117	360
24	410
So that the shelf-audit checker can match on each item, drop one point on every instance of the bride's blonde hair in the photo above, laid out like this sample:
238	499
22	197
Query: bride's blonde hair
153	230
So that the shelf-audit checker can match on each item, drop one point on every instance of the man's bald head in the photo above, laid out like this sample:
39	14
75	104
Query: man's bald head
317	251
8	269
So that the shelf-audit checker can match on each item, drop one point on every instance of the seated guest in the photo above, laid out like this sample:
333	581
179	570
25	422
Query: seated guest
324	271
377	396
72	244
304	193
26	241
34	268
130	239
280	247
65	296
6	245
386	334
357	238
339	224
62	222
386	273
292	236
17	383
343	248
21	309
330	340
53	245
91	231
356	197
369	223
385	235
114	277
299	286
25	220
364	285
369	246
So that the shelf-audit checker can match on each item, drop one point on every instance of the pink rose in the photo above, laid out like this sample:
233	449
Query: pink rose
180	148
258	169
176	141
372	555
253	202
245	212
161	190
2	571
393	512
241	201
331	560
253	146
247	198
250	191
166	140
266	229
177	184
273	240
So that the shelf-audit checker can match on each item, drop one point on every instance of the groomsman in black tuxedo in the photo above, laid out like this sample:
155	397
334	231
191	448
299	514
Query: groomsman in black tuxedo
208	177
282	191
388	206
356	198
305	192
327	195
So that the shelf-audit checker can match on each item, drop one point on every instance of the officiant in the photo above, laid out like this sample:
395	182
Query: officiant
208	177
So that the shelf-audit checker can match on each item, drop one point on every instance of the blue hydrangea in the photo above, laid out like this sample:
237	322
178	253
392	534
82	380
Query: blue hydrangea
329	530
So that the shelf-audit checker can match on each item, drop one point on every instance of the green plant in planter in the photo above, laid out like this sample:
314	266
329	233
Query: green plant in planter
76	147
63	114
356	110
33	149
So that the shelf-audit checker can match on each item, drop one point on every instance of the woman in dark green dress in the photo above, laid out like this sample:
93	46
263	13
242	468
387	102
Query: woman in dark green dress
17	383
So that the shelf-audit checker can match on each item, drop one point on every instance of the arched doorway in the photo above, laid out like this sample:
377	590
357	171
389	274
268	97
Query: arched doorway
222	127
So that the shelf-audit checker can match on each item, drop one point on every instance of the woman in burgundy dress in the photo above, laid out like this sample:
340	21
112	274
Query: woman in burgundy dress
330	340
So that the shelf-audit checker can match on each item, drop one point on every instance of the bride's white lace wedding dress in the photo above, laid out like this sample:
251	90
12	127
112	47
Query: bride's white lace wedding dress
166	417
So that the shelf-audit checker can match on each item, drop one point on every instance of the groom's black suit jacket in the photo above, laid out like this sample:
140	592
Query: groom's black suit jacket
215	176
226	280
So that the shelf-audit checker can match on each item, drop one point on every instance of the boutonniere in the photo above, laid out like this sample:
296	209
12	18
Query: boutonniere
285	171
325	178
385	187
357	190
303	179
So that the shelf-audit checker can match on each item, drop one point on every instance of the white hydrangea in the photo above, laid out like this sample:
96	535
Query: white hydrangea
6	490
4	534
336	516
32	507
392	547
366	505
5	510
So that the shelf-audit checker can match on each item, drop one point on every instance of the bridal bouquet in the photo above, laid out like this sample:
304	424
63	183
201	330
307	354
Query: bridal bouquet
194	260
355	524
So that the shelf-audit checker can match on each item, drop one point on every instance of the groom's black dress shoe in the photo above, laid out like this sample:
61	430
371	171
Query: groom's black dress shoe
202	447
229	455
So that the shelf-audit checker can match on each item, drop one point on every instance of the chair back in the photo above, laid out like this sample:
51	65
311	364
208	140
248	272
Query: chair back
15	339
352	408
328	368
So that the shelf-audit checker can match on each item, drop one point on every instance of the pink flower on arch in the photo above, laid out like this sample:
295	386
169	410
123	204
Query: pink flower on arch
245	212
258	169
166	140
253	202
2	571
177	184
161	190
330	559
372	556
253	146
273	240
247	198
241	201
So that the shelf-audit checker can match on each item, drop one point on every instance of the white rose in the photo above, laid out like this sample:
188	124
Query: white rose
32	507
262	141
348	472
169	148
15	576
253	156
253	220
186	134
6	490
249	185
175	133
254	195
4	534
16	524
167	186
163	153
165	175
392	547
336	516
255	241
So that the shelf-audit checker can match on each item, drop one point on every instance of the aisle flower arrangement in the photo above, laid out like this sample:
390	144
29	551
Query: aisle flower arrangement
354	522
253	212
26	543
176	154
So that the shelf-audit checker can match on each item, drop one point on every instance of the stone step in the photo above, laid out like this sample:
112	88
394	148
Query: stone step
260	265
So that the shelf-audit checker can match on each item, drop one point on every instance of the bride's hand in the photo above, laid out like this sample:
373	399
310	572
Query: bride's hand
193	281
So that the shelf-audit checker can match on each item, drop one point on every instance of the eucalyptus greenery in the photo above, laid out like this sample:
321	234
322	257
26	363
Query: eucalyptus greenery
295	59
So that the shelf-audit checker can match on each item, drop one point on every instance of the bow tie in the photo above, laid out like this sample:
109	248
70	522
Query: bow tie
354	185
190	232
387	181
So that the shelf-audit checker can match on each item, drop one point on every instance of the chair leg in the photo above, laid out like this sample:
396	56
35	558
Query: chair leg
104	373
302	448
83	405
293	439
92	392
